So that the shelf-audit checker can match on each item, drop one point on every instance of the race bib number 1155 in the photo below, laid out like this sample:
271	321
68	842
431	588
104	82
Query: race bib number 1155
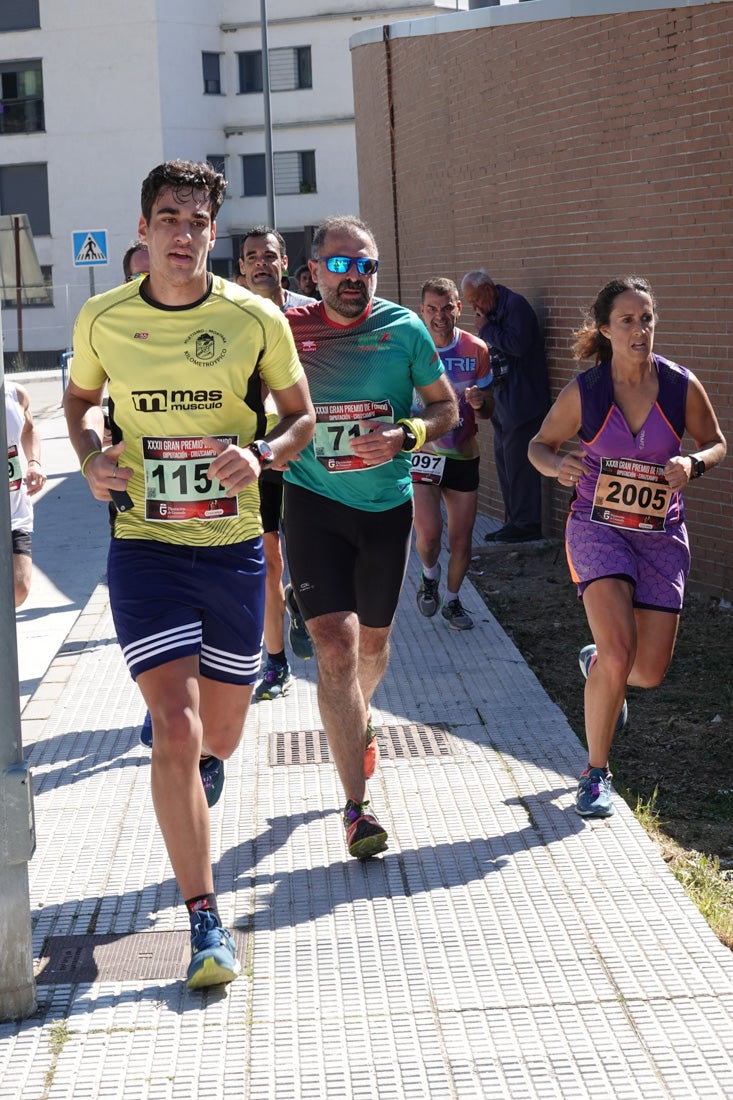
177	485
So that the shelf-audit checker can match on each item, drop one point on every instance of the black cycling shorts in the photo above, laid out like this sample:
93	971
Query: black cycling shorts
271	500
22	543
345	559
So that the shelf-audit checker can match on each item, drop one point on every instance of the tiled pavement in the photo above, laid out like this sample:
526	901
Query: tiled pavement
502	946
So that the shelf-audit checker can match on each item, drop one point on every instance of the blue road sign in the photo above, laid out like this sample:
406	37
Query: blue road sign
90	247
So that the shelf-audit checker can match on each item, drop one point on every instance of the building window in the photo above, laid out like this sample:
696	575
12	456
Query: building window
24	190
295	173
19	15
254	179
290	69
211	63
21	97
250	71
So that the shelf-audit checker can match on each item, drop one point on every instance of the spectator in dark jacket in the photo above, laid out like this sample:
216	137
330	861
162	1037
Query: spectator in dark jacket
508	325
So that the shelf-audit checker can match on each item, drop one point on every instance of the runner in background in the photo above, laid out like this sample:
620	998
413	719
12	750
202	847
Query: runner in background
448	468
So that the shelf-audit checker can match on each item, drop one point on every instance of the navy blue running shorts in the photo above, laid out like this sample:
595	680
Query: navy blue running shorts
174	601
344	559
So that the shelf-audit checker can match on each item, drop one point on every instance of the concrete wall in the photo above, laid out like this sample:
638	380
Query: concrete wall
558	145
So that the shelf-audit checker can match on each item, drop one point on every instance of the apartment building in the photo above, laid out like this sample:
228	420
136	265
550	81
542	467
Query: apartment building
93	96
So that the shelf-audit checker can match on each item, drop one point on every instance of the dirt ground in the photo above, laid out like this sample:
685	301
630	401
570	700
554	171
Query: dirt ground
679	738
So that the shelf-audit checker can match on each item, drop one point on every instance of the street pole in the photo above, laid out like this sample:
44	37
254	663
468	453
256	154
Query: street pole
18	286
269	169
17	834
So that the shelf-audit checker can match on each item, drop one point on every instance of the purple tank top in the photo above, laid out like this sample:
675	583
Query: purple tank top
604	432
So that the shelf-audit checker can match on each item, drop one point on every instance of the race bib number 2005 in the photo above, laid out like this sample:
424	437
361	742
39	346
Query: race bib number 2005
631	494
177	486
338	424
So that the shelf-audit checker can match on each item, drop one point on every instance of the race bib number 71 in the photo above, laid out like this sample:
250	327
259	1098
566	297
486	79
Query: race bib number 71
337	424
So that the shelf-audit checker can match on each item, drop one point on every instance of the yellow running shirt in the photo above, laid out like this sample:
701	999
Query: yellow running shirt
176	376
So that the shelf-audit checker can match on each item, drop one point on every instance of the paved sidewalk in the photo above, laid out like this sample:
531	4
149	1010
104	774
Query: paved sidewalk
501	947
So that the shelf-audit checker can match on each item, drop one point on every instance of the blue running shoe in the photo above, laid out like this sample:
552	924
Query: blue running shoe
298	636
146	731
586	658
594	794
275	681
211	770
213	959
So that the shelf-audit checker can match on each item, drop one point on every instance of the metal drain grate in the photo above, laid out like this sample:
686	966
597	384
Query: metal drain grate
403	742
141	957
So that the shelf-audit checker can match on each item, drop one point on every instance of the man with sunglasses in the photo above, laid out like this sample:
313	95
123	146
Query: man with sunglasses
348	500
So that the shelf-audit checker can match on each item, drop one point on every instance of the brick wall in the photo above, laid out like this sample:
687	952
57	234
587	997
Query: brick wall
558	154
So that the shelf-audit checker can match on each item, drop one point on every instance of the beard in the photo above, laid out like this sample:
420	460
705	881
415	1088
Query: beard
348	307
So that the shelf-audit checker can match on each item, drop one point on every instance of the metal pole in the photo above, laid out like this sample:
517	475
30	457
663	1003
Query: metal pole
91	282
18	286
17	985
269	170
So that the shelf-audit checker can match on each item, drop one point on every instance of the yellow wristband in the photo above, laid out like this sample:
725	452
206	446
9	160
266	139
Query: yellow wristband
84	463
418	429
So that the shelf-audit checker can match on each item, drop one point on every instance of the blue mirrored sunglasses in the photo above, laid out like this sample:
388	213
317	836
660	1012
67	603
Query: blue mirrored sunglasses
340	265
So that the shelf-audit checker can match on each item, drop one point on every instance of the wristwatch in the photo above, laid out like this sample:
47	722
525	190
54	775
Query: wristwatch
698	467
409	443
263	451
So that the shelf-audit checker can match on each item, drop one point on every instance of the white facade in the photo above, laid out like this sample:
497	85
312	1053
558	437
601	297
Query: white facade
123	90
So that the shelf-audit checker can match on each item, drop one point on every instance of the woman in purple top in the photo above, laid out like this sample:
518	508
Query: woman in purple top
626	540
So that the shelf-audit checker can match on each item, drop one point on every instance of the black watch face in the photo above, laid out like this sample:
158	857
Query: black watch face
263	451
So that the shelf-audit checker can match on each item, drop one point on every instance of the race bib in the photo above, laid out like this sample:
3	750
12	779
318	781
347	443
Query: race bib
337	424
631	494
15	473
427	469
176	483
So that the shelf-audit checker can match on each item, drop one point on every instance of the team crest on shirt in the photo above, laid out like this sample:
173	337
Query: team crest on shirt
205	347
141	336
308	345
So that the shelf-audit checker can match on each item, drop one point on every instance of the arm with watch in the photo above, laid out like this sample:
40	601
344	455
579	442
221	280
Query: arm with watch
438	416
385	440
702	425
238	467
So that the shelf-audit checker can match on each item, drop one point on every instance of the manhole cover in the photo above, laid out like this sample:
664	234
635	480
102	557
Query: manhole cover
396	742
136	957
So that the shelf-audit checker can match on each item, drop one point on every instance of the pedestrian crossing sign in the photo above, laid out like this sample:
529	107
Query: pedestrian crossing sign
90	247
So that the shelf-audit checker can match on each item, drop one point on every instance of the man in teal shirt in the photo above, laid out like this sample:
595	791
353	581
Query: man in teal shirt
348	500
